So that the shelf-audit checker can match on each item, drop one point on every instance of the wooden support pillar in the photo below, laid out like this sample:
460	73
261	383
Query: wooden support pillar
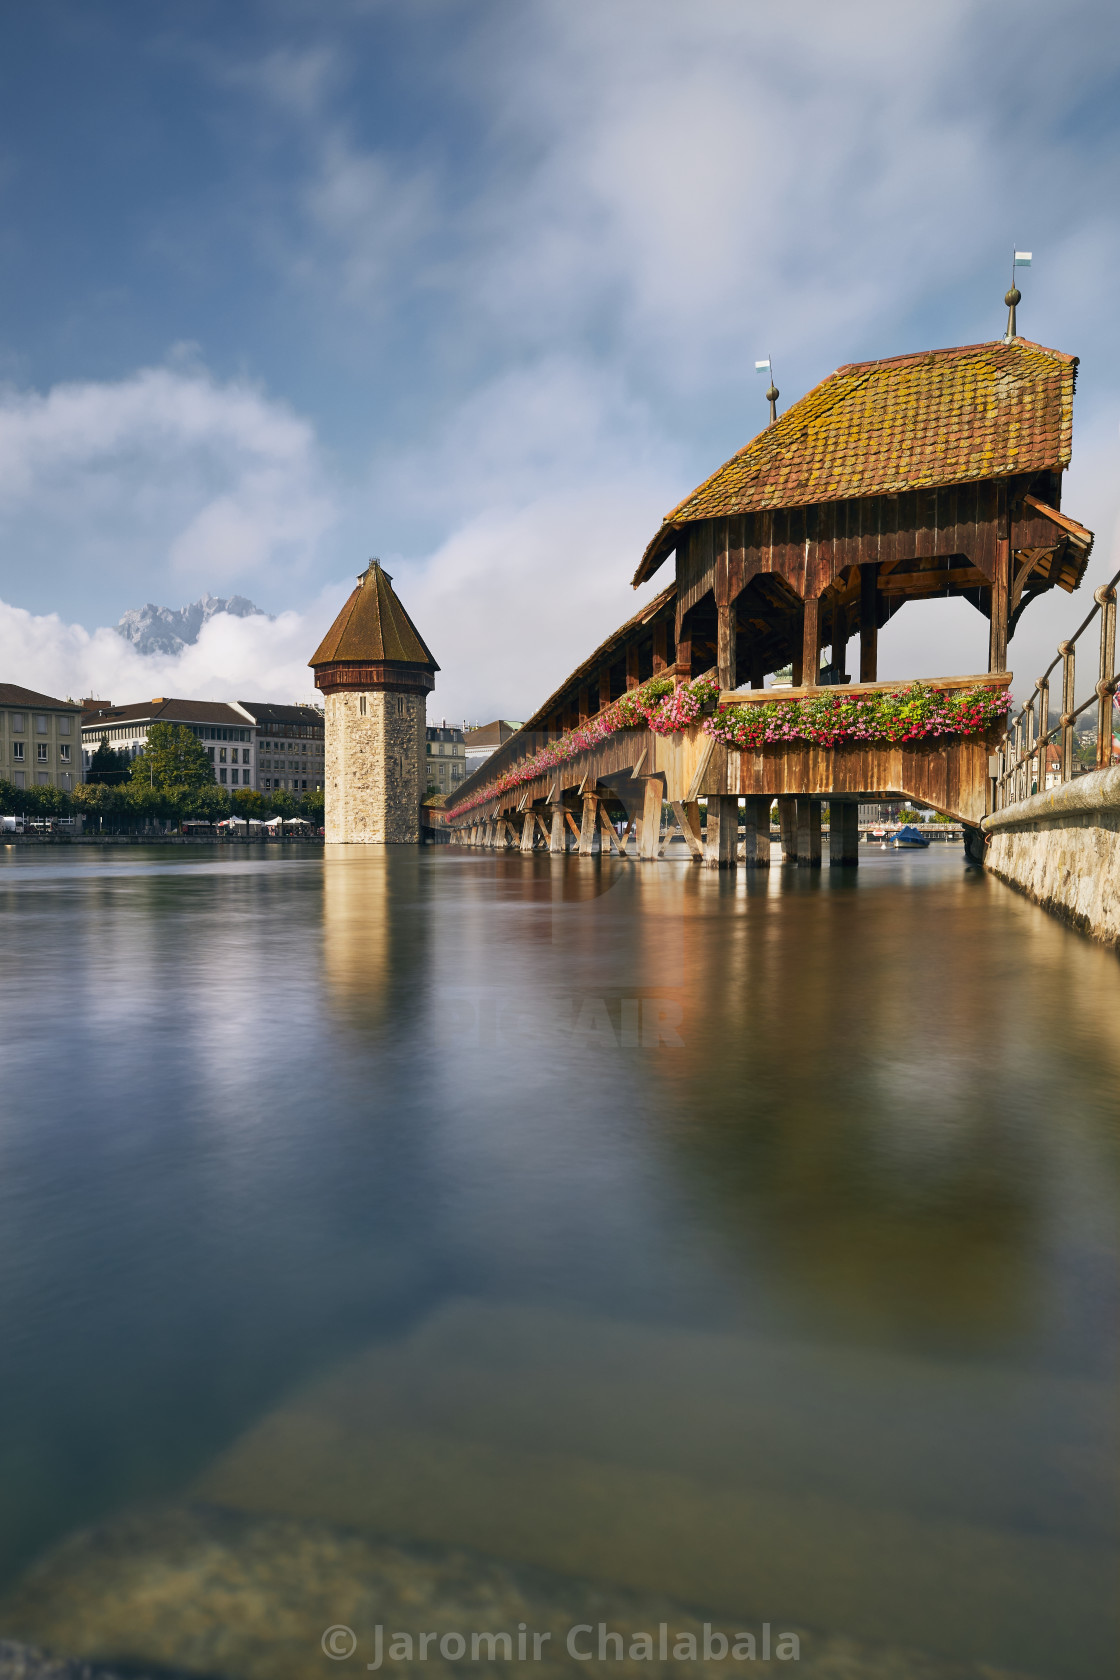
869	623
584	704
811	643
1001	588
660	646
688	815
758	673
840	641
650	844
756	844
843	833
725	646
633	680
558	840
587	826
604	687
722	836
684	655
808	832
787	822
528	831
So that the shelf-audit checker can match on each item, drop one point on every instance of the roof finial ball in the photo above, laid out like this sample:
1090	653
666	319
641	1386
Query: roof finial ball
773	393
1019	259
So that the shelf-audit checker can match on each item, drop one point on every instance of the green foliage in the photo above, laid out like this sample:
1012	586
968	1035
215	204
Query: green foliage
109	767
172	758
313	806
246	802
9	797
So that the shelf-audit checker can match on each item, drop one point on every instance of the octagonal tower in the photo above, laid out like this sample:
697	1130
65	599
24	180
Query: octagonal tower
375	673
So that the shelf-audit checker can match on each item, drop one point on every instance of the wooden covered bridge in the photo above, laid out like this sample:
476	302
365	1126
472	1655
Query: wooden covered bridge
891	483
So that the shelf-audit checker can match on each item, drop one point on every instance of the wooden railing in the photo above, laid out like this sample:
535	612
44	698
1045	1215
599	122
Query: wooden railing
1019	767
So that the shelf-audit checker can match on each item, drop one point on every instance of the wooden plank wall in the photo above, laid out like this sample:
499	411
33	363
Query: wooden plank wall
810	546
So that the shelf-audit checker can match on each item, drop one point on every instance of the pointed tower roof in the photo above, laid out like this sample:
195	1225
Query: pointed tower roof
373	642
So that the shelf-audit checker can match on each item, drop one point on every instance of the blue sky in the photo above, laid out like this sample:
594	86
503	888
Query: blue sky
479	287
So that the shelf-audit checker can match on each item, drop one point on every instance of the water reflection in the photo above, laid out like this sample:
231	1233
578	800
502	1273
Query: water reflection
741	1240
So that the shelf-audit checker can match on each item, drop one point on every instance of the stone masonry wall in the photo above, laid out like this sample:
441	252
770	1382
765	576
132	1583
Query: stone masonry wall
1062	848
373	765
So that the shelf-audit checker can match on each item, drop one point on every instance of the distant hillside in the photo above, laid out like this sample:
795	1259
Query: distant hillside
153	629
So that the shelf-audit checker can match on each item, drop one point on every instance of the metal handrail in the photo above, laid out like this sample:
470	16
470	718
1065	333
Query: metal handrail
1019	766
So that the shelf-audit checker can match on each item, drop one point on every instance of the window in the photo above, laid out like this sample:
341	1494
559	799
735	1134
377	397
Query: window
222	757
64	726
41	752
42	778
400	705
64	754
17	753
304	787
20	779
221	775
210	754
362	704
40	723
233	776
17	723
65	782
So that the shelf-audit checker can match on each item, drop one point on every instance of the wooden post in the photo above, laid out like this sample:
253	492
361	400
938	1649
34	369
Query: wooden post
660	646
684	655
868	623
787	822
725	646
811	643
633	680
587	827
840	641
1001	588
808	832
758	674
528	829
756	845
558	841
650	843
843	833
688	815
604	687
584	704
722	837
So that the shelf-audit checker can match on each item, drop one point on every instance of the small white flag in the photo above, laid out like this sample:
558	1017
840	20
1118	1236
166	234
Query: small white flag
762	367
1022	259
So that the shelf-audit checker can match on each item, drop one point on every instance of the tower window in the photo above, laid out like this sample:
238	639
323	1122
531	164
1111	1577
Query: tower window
400	705
362	708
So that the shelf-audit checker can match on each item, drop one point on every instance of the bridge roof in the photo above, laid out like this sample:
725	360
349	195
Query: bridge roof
939	417
373	628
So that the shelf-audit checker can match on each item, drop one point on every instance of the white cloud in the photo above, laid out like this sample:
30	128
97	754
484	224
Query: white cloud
233	659
157	482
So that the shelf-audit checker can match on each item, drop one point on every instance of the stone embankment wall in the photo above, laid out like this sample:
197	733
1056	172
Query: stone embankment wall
1062	848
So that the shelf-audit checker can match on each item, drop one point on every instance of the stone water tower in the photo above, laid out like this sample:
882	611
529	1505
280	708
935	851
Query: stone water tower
375	673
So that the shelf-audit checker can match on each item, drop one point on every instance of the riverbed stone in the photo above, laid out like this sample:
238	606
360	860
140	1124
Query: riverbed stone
199	1591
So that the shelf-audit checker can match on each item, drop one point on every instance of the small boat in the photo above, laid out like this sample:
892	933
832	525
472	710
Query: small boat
910	836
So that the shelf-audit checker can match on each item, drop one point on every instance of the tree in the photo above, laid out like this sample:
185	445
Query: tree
172	758
44	802
313	806
108	767
97	799
204	804
247	802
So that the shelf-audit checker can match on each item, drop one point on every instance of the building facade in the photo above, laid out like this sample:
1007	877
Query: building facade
250	744
40	739
482	739
375	673
445	759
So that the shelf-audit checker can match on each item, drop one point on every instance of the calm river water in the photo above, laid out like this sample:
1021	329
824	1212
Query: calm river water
629	1243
